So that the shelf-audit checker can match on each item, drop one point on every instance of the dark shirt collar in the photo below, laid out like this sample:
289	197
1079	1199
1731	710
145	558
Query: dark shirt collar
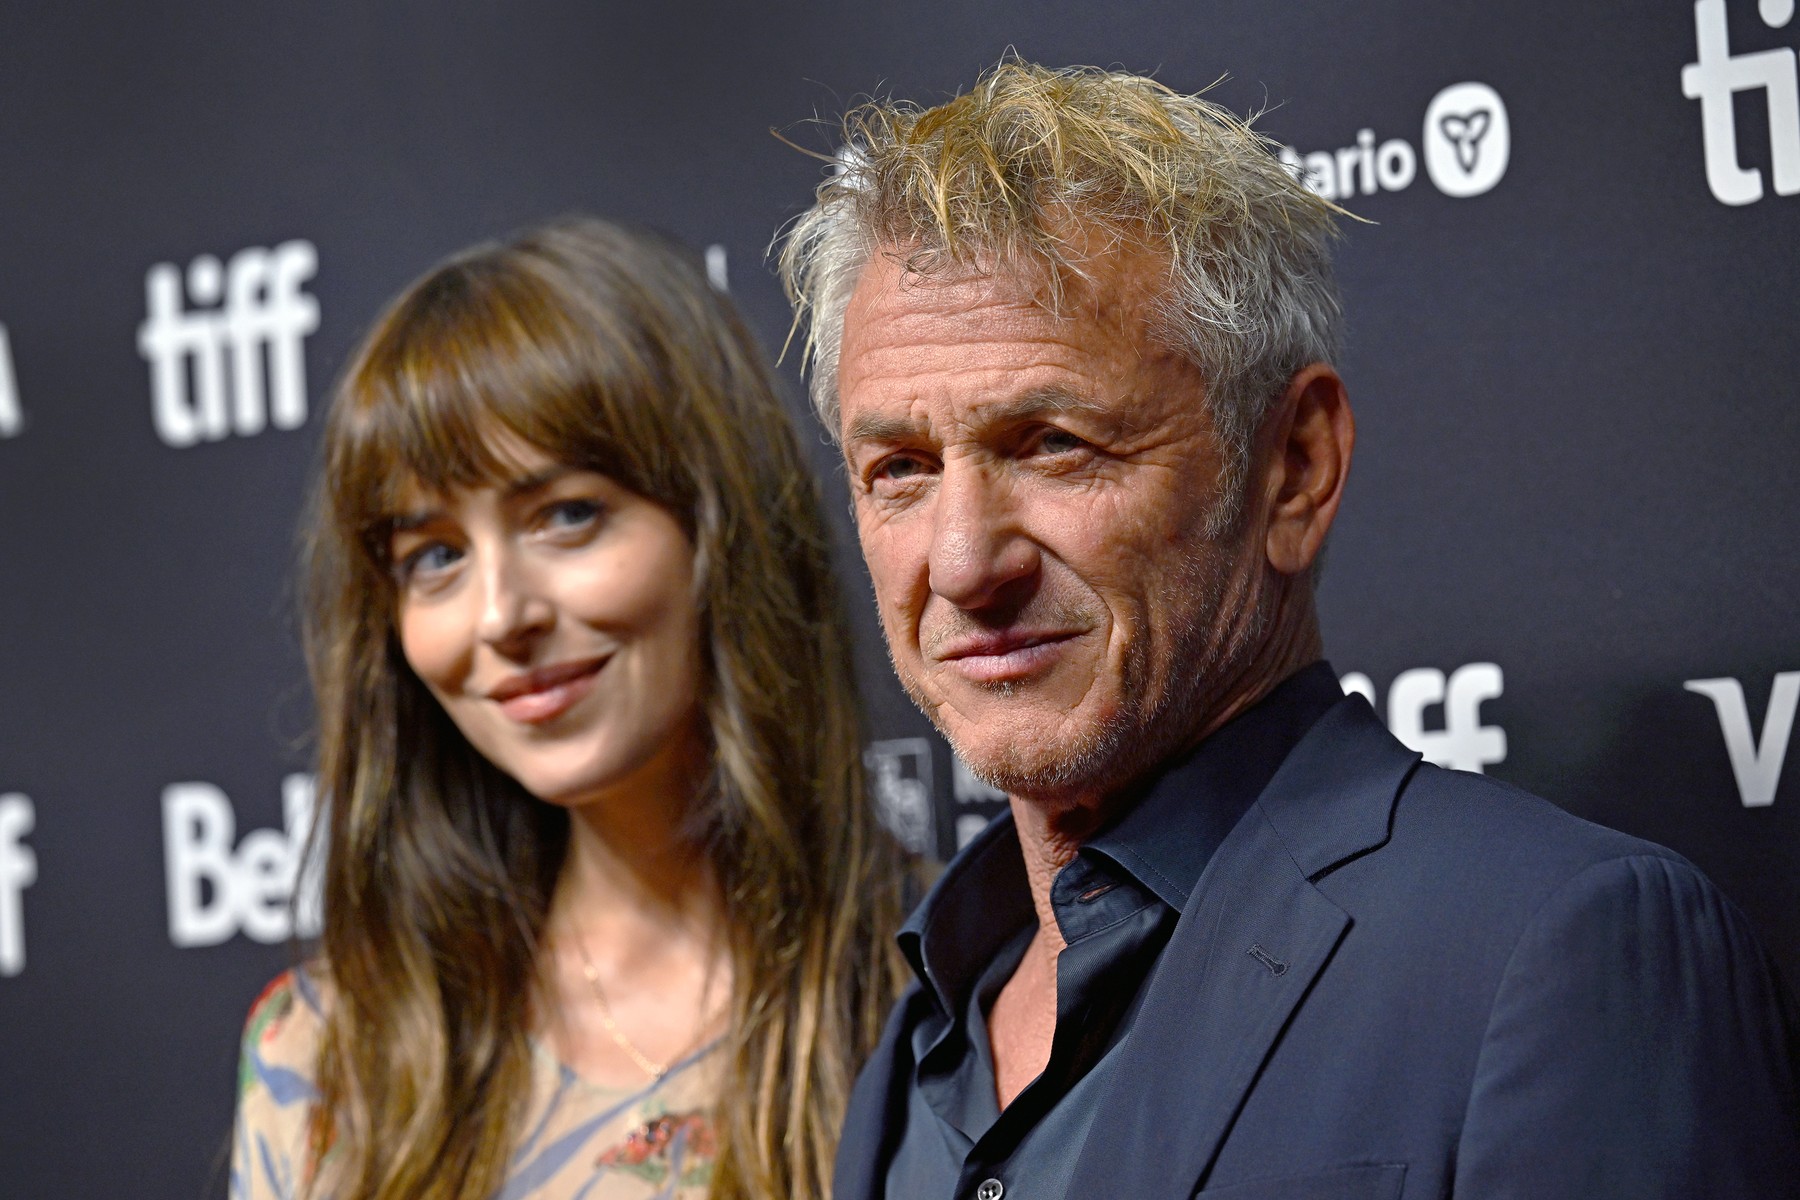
1166	839
982	900
978	905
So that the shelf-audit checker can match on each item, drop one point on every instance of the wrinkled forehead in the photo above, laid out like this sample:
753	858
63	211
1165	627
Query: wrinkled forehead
986	326
1113	287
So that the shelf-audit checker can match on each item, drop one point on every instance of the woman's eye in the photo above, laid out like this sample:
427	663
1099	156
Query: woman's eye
432	559
571	514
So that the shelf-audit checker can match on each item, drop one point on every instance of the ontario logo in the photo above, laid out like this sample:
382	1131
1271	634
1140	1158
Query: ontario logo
1465	144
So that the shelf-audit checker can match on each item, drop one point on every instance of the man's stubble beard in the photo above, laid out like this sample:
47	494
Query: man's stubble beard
1211	645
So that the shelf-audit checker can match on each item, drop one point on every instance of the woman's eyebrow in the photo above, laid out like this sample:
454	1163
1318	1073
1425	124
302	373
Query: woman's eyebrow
523	485
405	522
536	480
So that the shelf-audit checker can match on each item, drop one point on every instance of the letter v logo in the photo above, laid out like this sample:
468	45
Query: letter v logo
12	421
1757	766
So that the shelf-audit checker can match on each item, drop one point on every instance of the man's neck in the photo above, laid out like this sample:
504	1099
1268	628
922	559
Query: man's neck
1052	831
1049	838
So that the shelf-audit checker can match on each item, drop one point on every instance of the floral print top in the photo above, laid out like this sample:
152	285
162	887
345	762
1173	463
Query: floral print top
580	1141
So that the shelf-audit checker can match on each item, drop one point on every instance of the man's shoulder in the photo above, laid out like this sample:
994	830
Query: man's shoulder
1455	816
1475	860
1359	811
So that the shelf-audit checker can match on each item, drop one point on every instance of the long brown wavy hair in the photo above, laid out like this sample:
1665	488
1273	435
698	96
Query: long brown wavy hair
606	349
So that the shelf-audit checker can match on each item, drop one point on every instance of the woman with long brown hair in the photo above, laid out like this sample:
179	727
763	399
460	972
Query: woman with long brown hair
606	912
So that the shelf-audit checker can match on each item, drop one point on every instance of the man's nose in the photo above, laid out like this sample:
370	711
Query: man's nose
977	546
514	609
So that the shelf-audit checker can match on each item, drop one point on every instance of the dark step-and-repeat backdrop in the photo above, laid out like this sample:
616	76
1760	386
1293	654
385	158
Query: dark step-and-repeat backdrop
1568	557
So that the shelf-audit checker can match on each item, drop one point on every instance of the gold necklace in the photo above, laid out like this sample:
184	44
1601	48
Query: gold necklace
649	1066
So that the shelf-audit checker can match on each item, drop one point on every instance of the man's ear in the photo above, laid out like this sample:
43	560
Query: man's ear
1309	459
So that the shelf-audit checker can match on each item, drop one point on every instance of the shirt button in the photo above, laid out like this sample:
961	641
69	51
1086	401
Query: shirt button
990	1189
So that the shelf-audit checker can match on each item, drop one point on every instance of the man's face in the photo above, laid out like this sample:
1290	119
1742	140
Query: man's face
1032	493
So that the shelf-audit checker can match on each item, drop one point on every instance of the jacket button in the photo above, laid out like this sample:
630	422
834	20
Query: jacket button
990	1189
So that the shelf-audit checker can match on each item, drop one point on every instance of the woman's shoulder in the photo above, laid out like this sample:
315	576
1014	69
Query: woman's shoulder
277	1086
277	1080
284	1025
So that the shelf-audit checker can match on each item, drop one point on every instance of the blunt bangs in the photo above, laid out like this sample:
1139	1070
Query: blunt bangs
495	343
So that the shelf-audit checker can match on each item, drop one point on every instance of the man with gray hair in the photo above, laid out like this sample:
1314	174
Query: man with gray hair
1074	331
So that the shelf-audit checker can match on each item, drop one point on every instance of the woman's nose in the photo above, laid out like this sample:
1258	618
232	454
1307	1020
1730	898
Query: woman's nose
514	611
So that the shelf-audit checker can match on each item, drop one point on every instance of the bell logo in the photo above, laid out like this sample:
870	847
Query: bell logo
1755	764
1467	139
1717	76
216	890
248	368
18	871
12	419
1463	743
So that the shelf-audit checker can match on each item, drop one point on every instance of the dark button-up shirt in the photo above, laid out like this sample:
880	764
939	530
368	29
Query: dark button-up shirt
1115	904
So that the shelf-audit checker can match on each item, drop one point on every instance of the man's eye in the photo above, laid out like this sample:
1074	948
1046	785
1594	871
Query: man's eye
897	468
1059	441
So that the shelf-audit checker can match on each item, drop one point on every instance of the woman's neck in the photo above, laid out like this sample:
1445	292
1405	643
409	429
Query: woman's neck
634	868
635	970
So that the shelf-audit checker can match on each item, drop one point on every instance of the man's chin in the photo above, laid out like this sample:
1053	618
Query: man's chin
1045	777
1050	758
1021	738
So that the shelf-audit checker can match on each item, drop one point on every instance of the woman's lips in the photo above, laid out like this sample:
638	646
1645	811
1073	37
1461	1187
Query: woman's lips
548	692
1002	658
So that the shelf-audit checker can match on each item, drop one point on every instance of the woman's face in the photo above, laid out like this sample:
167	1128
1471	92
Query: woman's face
553	617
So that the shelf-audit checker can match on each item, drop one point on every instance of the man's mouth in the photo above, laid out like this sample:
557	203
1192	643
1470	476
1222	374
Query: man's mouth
1005	656
535	697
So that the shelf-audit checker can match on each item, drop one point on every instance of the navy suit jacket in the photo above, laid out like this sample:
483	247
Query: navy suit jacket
1394	980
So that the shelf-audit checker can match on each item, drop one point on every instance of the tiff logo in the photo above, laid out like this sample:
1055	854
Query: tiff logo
218	885
969	788
1717	76
12	417
1755	764
237	367
18	871
1464	742
900	777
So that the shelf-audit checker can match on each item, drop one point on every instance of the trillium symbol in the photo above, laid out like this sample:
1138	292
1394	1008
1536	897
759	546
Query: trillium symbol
1468	139
1464	132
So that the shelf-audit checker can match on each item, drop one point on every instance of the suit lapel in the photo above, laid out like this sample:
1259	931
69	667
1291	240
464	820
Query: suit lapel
1252	939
